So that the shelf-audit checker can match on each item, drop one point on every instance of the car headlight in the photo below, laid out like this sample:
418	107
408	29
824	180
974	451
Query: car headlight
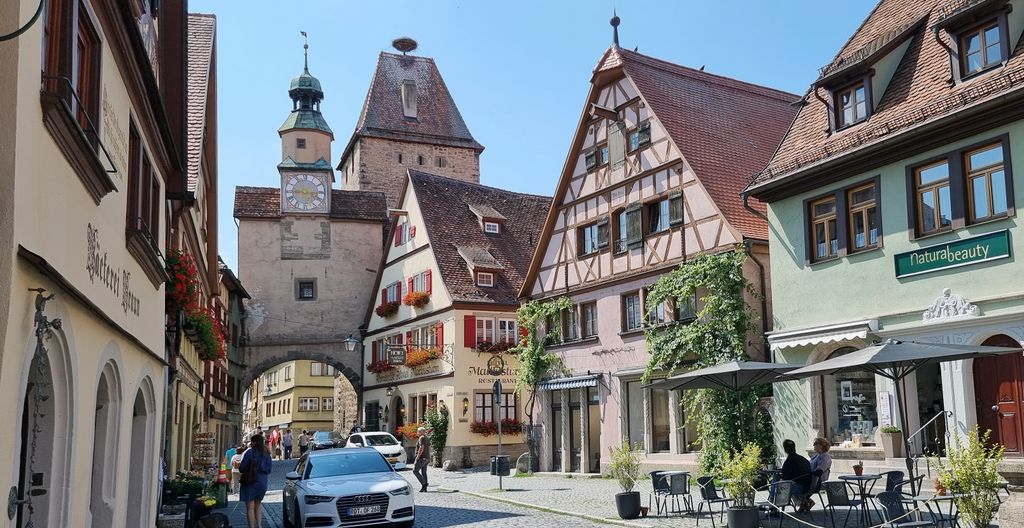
317	499
404	490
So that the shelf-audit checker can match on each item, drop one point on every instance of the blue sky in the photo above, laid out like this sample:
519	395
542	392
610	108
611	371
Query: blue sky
518	70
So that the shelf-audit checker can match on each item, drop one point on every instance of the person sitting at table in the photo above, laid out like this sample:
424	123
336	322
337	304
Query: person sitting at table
796	468
822	461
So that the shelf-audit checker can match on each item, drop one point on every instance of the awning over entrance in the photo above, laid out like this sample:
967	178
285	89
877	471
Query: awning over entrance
575	382
823	334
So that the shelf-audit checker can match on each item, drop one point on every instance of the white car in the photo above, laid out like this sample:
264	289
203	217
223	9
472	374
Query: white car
384	443
346	487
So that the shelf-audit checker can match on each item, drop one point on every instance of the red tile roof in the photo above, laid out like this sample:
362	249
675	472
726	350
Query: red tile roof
726	129
202	29
438	120
451	224
918	93
265	202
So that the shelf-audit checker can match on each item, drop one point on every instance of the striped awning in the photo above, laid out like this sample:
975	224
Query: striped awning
575	382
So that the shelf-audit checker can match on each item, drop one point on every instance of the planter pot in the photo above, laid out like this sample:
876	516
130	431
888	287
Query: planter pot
892	444
628	504
743	517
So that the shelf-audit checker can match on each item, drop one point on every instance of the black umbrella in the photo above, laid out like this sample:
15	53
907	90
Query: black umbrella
732	376
895	360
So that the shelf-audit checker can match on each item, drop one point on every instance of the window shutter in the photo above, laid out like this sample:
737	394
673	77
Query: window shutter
410	284
398	234
602	234
523	333
374	348
616	144
469	332
429	282
675	208
412	232
634	218
383	295
408	337
440	333
398	288
644	134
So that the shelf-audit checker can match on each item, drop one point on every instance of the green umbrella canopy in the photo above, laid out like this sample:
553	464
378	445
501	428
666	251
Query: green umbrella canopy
732	376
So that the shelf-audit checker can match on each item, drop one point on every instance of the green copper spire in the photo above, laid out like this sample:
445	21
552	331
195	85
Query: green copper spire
306	94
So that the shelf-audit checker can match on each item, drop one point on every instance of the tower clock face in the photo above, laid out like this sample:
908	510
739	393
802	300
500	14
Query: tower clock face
305	192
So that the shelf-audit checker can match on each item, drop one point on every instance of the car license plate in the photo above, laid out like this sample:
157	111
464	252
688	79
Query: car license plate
364	510
393	459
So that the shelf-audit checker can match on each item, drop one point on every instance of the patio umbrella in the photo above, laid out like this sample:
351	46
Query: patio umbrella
732	376
895	360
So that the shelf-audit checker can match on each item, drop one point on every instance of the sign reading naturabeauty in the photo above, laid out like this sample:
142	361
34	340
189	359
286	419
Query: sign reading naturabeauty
981	248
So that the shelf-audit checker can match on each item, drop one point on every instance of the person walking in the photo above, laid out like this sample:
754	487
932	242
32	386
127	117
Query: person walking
235	461
422	458
356	428
228	453
254	467
286	441
303	442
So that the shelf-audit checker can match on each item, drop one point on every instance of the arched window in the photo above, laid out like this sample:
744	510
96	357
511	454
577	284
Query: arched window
850	404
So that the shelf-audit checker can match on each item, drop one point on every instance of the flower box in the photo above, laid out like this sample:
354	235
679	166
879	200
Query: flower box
388	309
417	299
378	366
421	356
500	346
509	426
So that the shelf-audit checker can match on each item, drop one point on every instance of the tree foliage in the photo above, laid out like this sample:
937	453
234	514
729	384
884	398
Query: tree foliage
437	423
718	334
971	474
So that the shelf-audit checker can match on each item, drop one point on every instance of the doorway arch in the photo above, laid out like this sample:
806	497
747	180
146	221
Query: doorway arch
106	429
141	454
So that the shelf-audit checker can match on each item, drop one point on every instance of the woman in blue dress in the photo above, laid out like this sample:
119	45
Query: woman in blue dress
255	462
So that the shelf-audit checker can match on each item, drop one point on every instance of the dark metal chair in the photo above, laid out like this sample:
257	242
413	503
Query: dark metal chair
709	495
661	491
679	486
812	489
780	500
906	492
837	495
894	514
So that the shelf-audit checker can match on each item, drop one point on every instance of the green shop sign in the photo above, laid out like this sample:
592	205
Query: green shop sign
981	248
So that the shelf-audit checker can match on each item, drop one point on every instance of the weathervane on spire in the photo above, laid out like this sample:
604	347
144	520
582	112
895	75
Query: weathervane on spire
615	27
305	50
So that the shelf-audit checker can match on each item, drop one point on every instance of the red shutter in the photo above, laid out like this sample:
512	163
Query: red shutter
522	331
429	282
412	232
383	295
440	333
410	284
398	235
408	337
374	352
469	332
398	286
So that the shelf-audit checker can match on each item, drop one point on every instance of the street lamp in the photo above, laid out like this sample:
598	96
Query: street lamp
390	390
350	343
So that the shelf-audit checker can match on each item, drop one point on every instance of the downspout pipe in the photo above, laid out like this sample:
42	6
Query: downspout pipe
762	279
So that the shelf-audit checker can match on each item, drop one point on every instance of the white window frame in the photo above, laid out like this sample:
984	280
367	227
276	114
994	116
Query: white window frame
304	404
507	331
480	279
392	291
485	330
419	282
492	227
326	403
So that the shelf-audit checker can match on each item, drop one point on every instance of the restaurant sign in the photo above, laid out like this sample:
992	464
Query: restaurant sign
973	250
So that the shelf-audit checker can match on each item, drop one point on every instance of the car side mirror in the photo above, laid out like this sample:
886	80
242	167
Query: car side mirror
292	475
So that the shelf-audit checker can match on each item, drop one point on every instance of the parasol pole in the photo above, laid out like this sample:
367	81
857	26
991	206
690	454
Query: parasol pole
901	399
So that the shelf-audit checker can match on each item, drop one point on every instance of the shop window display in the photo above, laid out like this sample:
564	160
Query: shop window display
851	406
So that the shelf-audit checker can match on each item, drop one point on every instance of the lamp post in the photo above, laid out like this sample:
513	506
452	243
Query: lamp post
350	343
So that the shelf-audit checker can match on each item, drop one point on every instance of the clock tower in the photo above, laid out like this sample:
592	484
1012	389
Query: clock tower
306	173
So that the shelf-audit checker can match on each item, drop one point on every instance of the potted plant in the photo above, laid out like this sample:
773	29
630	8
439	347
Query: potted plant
970	474
740	471
625	468
858	468
892	441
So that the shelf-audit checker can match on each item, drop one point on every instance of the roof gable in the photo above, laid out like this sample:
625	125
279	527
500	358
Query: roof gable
456	239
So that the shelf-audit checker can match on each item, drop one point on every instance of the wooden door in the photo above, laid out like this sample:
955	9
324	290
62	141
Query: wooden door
998	386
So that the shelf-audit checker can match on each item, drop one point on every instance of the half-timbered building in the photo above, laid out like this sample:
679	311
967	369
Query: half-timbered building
445	313
652	179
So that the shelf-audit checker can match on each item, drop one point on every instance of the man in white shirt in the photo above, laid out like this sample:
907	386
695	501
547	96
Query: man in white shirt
236	475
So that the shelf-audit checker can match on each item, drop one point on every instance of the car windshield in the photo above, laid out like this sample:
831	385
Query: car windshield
347	463
380	440
321	435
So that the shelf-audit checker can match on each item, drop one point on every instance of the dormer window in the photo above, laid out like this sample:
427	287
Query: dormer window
852	105
409	98
485	279
981	48
492	227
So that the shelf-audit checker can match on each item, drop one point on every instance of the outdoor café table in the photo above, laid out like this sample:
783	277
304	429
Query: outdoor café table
672	477
952	515
773	477
863	490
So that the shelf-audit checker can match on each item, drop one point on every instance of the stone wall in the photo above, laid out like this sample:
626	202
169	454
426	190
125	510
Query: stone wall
480	455
375	165
346	404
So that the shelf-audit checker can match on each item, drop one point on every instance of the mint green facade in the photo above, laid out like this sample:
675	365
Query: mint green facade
854	300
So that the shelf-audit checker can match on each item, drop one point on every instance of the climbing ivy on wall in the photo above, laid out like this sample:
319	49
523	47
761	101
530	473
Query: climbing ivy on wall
718	334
